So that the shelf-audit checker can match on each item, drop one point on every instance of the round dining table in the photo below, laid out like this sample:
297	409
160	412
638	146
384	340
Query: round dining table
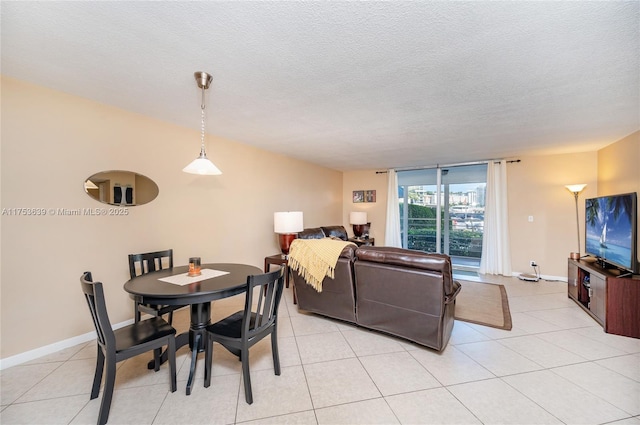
150	289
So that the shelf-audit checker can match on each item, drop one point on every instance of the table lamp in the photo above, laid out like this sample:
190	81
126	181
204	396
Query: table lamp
287	225
359	221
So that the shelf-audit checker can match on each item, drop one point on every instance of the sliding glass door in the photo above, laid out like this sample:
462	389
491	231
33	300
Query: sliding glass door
442	210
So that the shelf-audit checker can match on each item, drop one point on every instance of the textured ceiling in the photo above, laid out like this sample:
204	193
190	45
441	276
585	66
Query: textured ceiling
350	85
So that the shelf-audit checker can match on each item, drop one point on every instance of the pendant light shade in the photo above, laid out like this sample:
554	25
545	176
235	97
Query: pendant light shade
202	165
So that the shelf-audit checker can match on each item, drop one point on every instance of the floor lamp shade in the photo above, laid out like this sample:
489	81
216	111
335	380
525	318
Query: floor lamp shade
287	225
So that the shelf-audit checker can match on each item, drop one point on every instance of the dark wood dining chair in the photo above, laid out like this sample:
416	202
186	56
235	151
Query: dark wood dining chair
243	329
123	343
147	262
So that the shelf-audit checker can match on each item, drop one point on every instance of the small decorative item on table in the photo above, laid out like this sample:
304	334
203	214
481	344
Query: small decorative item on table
194	266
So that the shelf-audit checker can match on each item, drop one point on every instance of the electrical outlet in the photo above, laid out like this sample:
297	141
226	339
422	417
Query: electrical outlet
532	263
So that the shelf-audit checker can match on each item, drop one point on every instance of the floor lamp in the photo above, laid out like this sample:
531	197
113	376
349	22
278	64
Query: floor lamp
576	189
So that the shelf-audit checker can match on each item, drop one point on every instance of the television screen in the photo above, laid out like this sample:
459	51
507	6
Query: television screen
611	229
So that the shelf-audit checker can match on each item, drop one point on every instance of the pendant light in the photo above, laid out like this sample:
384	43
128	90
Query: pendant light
202	165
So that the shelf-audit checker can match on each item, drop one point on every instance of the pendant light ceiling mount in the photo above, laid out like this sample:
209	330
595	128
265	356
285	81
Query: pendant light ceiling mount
203	79
202	165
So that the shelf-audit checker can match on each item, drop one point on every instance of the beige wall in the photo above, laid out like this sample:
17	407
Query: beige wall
619	166
52	141
619	169
376	211
536	188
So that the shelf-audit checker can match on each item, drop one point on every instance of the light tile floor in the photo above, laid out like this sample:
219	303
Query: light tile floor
556	366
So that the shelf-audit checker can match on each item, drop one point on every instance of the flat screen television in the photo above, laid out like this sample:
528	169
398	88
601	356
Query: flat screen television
611	230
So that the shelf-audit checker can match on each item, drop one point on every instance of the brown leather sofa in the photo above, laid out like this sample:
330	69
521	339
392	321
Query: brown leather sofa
406	293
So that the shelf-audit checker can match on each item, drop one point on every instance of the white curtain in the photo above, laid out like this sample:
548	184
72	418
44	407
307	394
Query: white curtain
392	228
496	258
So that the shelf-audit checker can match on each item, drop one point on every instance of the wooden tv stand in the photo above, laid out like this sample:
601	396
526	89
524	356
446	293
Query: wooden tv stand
612	301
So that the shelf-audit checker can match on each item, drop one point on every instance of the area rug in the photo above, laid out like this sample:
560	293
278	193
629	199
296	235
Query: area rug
484	304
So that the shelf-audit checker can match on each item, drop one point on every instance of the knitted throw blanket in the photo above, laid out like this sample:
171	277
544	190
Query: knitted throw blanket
315	258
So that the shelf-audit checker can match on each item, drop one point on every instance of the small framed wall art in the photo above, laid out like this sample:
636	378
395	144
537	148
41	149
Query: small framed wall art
364	196
369	196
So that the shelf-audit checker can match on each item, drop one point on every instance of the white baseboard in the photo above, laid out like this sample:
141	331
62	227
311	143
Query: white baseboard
53	348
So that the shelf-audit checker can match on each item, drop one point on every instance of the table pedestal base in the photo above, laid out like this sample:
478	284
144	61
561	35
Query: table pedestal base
200	319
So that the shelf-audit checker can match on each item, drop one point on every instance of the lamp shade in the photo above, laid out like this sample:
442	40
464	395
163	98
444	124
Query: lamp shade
287	222
358	217
575	188
203	166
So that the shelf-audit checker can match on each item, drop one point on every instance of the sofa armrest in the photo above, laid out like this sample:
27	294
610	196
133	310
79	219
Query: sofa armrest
449	298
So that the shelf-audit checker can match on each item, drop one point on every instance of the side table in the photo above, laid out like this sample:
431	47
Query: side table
280	260
365	242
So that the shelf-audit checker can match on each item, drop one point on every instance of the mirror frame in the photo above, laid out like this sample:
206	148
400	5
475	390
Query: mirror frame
121	188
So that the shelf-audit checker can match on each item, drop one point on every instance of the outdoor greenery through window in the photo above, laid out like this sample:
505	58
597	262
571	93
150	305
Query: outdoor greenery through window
460	199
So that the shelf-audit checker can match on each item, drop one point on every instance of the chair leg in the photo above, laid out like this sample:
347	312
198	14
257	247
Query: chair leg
248	394
274	351
157	352
97	377
107	394
170	317
194	362
136	312
171	351
208	359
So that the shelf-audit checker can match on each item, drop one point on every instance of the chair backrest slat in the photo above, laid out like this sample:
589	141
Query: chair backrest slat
264	313
147	262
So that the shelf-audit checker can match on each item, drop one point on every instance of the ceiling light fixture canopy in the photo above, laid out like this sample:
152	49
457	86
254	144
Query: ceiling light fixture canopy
202	165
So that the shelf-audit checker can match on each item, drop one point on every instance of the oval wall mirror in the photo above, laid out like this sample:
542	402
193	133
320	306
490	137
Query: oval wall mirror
118	187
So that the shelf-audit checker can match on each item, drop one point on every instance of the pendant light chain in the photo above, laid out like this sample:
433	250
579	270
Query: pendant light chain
202	106
202	165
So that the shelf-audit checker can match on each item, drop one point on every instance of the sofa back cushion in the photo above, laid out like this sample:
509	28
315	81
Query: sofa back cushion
324	232
311	233
339	232
439	263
